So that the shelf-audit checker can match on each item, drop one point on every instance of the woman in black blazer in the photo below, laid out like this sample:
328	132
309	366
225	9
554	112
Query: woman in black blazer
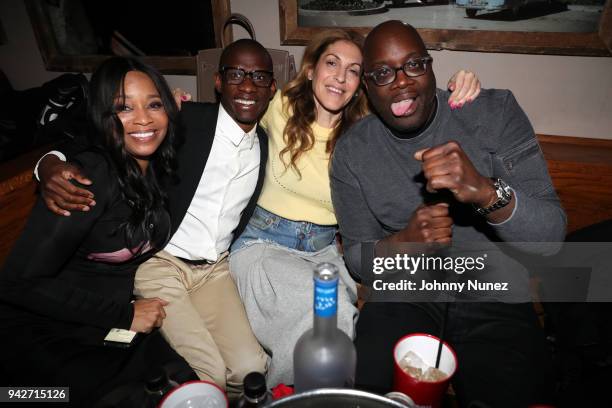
69	280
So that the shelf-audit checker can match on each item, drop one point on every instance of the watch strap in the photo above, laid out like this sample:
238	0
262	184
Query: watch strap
504	196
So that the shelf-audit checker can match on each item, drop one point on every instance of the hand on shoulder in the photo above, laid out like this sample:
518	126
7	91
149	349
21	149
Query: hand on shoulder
58	192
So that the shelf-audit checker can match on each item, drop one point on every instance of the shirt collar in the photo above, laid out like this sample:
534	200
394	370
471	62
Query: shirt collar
228	128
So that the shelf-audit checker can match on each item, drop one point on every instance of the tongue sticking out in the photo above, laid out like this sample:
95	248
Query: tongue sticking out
400	108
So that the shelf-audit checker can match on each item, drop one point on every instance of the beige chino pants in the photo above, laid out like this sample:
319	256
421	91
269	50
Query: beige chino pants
205	319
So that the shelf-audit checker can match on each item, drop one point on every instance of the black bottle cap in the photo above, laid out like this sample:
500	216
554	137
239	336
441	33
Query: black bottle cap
255	385
157	379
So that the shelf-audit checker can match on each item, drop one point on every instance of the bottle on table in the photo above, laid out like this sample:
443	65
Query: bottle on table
157	386
255	393
324	356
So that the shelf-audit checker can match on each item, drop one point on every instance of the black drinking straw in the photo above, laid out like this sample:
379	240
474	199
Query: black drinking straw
441	337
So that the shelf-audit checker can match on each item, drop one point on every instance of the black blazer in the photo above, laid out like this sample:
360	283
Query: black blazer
198	122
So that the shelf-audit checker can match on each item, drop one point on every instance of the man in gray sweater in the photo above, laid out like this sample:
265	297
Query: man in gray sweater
389	168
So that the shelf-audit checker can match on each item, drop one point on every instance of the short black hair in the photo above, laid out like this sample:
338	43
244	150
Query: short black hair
243	45
381	31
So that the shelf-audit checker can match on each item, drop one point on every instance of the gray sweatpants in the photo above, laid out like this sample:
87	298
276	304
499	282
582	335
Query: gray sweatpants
276	287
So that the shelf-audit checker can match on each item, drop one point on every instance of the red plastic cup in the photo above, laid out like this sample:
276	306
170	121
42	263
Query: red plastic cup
195	394
424	393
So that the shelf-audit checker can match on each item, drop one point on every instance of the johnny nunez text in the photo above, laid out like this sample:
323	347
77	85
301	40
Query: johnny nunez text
425	285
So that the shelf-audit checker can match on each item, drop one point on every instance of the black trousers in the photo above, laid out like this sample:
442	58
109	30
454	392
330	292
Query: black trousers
62	354
503	357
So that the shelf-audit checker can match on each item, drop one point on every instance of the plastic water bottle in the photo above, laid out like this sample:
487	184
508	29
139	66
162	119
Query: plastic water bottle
324	356
256	392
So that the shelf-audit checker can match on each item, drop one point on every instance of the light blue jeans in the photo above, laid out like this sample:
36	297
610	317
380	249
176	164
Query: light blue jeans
272	264
299	235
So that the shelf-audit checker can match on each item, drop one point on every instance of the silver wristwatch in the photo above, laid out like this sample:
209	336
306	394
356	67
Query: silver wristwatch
504	196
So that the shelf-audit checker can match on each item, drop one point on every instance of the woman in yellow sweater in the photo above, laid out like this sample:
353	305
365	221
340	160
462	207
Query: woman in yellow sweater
294	226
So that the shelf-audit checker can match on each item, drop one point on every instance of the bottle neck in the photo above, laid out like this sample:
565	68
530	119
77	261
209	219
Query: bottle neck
170	386
325	307
258	399
162	389
324	325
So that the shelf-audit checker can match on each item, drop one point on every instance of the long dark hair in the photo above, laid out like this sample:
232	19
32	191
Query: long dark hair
301	101
141	191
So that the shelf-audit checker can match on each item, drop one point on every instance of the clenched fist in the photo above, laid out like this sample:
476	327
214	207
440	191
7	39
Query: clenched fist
148	314
428	223
447	167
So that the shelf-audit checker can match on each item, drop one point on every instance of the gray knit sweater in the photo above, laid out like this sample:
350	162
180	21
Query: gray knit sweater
377	184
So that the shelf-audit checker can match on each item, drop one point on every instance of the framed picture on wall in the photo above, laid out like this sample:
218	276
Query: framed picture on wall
76	35
559	27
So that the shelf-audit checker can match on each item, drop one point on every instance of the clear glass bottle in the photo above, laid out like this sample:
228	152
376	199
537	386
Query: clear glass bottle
324	356
255	393
157	386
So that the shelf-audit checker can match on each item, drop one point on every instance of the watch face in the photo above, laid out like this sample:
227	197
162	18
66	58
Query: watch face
504	191
504	196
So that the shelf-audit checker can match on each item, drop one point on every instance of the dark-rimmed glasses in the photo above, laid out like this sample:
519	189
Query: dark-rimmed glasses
412	68
236	76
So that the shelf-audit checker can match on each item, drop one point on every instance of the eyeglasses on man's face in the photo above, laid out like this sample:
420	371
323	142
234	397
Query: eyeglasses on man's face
385	75
236	76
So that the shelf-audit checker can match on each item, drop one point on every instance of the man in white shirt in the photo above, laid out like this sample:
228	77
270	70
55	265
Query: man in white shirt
220	176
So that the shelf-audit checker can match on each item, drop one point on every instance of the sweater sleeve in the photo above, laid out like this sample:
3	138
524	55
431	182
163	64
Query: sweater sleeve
359	228
275	114
31	275
519	161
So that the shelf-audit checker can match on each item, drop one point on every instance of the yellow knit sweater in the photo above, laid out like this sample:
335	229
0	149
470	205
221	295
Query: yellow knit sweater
284	192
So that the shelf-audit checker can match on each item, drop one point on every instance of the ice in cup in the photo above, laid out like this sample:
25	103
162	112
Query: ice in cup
414	369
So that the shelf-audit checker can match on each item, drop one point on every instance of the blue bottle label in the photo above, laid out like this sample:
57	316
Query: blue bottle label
326	298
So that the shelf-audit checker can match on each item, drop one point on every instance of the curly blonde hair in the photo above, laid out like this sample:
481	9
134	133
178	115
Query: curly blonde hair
298	134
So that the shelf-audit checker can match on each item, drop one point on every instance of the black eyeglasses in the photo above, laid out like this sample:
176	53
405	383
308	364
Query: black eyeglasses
236	76
413	68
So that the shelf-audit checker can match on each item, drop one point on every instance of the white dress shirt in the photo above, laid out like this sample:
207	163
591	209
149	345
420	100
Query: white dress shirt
226	185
